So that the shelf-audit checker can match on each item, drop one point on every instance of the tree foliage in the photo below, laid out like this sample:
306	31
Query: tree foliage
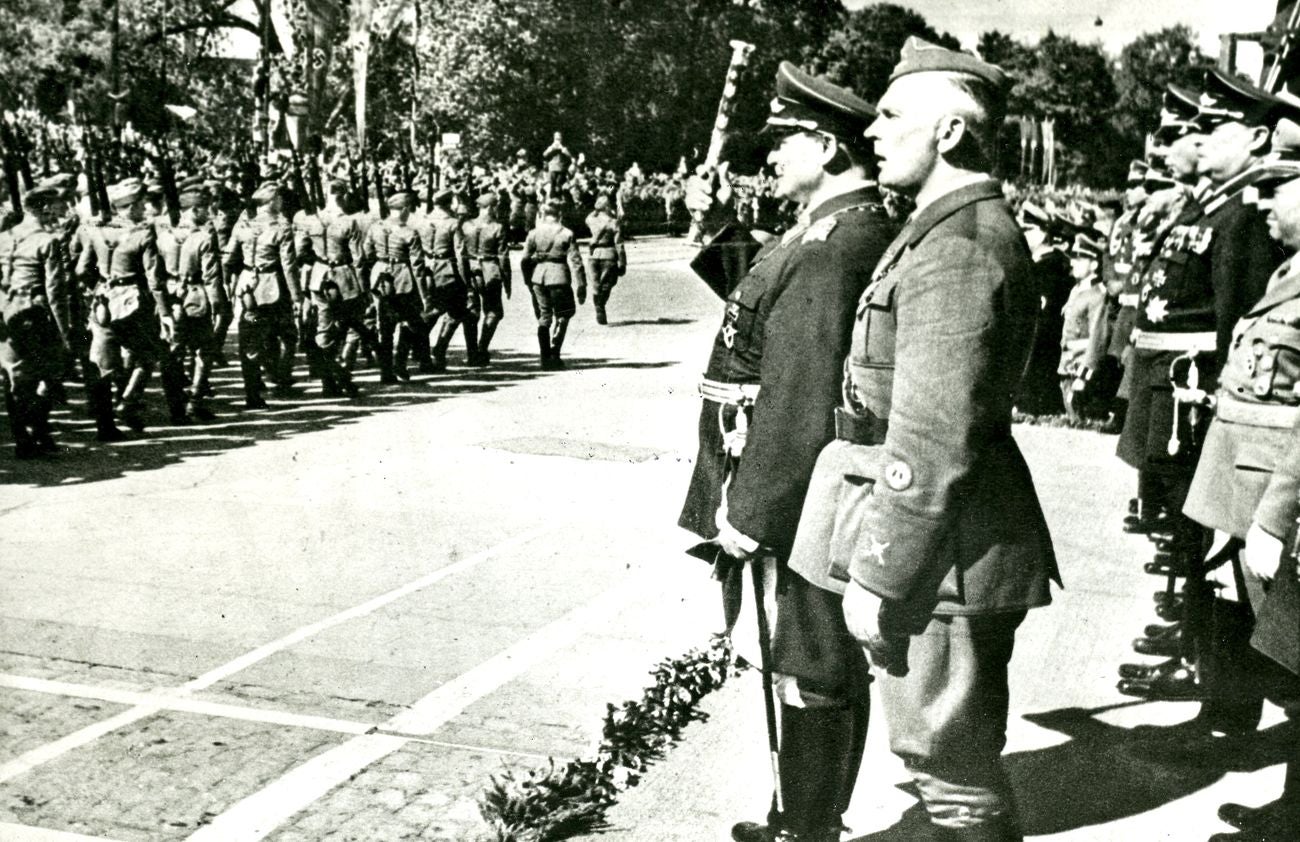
862	53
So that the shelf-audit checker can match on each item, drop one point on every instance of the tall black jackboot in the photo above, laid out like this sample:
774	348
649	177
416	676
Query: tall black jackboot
99	402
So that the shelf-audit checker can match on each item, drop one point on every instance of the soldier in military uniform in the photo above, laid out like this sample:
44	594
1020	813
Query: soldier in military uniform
329	244
551	265
396	259
923	513
608	258
446	294
192	258
771	383
131	314
260	259
1209	267
1256	411
34	305
1083	315
487	254
226	207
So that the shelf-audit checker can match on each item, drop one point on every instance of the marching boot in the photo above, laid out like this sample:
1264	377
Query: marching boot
39	424
400	352
173	386
470	326
131	406
485	335
1166	642
1233	704
557	342
1148	672
446	330
544	345
18	408
99	401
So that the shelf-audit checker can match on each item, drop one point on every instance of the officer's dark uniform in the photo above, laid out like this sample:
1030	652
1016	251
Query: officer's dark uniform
608	258
770	389
34	313
446	294
487	257
1208	268
261	253
130	301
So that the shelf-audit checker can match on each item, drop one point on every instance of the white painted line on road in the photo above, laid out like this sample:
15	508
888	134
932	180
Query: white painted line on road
44	754
185	704
26	833
262	812
50	751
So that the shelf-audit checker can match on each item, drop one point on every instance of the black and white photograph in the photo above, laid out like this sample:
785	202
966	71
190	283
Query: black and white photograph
649	420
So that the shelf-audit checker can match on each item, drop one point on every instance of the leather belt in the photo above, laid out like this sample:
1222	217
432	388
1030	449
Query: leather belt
125	282
1129	299
732	394
1236	411
859	429
1076	344
550	260
1200	341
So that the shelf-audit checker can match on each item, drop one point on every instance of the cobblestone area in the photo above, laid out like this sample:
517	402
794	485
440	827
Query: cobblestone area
81	672
28	720
316	704
423	792
158	779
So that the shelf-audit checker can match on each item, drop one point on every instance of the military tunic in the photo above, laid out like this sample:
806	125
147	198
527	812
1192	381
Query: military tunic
193	262
261	252
396	257
784	335
34	305
552	264
487	252
1208	268
130	294
446	290
608	258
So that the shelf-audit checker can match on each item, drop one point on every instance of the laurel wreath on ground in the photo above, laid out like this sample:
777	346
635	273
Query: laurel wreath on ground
1107	426
560	800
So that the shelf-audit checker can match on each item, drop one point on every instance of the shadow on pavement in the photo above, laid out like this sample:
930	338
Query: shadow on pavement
83	460
662	320
1104	773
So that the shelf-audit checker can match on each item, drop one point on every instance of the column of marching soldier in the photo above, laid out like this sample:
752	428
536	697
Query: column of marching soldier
111	296
857	483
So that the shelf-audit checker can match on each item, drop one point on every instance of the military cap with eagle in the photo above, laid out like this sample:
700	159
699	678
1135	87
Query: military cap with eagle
804	102
1227	99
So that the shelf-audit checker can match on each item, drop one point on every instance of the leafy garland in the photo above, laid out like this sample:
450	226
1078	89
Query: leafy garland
557	801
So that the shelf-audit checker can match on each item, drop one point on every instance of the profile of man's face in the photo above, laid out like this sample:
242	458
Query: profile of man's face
1284	215
796	159
905	131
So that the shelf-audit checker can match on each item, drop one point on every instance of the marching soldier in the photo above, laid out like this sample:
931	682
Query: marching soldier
34	302
1209	267
192	258
770	388
260	260
487	251
331	250
551	264
131	313
226	207
396	260
446	295
608	258
923	512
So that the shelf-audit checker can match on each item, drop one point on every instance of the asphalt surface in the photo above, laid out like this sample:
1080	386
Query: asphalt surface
337	620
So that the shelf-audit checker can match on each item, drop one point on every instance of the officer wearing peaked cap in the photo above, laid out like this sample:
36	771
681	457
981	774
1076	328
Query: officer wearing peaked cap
770	388
923	513
1084	313
1209	267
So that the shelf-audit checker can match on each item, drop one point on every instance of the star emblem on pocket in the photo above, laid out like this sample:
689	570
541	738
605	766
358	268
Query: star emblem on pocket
1157	309
876	549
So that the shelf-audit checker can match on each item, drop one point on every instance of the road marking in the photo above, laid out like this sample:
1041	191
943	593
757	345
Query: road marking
262	812
26	833
50	751
160	701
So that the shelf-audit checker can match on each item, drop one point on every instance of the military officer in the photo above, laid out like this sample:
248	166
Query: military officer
446	294
927	521
551	265
34	303
1209	267
1083	314
771	383
608	258
192	258
396	259
487	253
260	259
132	313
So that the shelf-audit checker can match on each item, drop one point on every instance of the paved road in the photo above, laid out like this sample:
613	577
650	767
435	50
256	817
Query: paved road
336	620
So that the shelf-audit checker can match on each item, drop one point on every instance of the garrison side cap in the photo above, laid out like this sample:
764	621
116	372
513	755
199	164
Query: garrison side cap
920	56
400	199
63	182
267	191
810	103
1227	99
41	195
